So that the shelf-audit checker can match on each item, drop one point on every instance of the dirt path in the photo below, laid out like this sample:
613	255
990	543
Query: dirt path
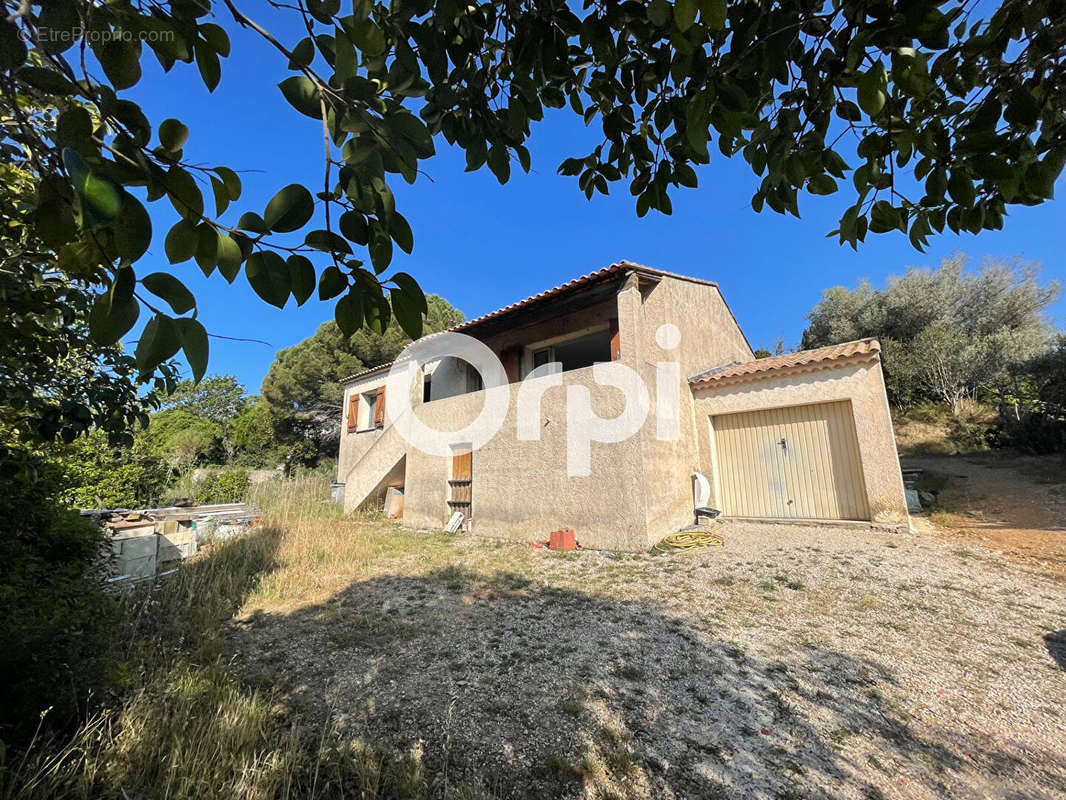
794	662
1013	504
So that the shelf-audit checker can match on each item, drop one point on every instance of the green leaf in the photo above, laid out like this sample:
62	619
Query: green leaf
345	60
659	12
250	221
207	62
194	343
231	181
160	340
411	288
821	184
348	312
302	277
169	288
73	127
218	189
181	242
685	14
323	10
54	222
132	228
713	13
376	312
405	309
47	80
331	283
289	209
217	38
411	128
302	95
499	163
173	135
269	277
883	217
121	63
184	193
380	248
229	256
303	53
368	38
110	321
56	17
353	226
960	187
872	90
327	241
400	230
12	46
100	196
206	248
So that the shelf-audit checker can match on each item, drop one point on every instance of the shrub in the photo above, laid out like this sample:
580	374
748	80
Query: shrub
1034	433
229	485
56	622
97	475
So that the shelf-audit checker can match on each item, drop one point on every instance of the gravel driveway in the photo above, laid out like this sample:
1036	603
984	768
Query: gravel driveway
793	662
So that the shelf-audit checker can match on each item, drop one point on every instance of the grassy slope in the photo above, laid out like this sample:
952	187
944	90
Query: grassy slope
181	723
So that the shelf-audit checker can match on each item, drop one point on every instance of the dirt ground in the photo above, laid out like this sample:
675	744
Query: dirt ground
794	662
1015	505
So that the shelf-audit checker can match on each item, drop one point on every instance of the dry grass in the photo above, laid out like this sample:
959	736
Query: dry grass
183	724
931	429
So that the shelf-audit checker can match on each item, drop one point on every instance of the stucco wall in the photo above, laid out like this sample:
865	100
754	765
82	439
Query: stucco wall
709	336
521	489
354	445
862	384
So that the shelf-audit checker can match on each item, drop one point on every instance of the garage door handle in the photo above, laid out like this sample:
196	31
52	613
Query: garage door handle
784	444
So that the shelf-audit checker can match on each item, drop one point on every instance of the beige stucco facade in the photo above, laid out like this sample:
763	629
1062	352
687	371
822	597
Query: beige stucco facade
639	489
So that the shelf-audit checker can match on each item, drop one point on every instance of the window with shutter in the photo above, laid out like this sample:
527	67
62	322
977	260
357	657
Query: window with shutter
616	342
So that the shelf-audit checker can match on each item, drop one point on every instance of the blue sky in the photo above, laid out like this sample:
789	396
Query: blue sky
482	245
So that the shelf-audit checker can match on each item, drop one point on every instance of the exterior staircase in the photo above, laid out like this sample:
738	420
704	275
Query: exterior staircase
369	472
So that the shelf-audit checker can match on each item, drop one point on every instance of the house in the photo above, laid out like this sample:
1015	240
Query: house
804	435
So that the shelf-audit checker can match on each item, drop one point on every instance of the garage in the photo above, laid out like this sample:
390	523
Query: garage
794	462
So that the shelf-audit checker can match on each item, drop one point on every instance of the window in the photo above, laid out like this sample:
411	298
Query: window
583	351
542	356
374	402
370	400
427	388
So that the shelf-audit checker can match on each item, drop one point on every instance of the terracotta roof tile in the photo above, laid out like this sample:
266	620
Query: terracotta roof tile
834	352
580	282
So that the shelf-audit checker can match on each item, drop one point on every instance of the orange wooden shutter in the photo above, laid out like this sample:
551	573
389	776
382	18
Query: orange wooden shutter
353	412
616	343
462	466
379	409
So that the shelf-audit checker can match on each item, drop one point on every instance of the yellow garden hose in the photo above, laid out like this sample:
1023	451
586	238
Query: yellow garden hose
689	541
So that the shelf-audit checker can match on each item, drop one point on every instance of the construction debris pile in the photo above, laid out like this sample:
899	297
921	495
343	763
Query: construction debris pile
148	542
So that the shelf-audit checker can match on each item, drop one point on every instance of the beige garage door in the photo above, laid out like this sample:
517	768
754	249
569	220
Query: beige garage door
800	462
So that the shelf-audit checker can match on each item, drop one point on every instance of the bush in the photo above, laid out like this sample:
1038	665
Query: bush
1041	434
97	475
229	485
56	622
